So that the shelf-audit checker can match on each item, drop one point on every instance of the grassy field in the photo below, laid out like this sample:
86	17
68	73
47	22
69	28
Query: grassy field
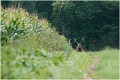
26	62
32	62
108	68
39	64
32	49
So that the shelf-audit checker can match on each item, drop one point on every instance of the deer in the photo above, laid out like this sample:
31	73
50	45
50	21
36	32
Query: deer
79	47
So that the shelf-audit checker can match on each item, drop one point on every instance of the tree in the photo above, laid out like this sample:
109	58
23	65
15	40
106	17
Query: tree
97	22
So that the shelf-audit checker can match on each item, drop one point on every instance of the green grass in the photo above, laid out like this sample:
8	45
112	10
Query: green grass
32	49
108	68
37	54
34	62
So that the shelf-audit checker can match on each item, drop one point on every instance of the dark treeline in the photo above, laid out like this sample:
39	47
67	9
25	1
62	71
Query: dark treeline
93	23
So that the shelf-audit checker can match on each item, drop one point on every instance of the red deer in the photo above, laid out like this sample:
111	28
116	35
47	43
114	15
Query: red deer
79	47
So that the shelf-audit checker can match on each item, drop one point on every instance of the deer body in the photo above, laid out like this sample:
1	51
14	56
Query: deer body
79	48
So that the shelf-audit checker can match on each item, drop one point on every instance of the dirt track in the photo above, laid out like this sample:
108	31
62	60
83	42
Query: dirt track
90	70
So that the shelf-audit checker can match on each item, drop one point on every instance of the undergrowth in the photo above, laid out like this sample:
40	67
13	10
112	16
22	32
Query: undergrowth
32	49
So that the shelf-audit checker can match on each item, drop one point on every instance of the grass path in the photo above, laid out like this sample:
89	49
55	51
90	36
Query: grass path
105	65
90	70
108	68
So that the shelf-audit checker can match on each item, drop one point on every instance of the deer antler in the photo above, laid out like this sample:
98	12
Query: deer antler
75	40
69	42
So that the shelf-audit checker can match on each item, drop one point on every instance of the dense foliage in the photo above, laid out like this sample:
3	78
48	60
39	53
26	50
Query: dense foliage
95	24
33	48
36	54
17	25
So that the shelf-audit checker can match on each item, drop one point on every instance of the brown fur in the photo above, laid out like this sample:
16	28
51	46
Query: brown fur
79	48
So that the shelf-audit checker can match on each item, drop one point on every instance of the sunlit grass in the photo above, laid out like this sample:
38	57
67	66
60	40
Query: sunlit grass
26	60
108	67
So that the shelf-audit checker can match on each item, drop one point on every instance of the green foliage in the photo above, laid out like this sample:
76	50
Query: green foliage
26	60
42	8
96	22
17	25
109	64
38	54
32	48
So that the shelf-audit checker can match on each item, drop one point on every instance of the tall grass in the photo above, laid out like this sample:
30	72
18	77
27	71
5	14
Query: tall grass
28	52
108	68
32	49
